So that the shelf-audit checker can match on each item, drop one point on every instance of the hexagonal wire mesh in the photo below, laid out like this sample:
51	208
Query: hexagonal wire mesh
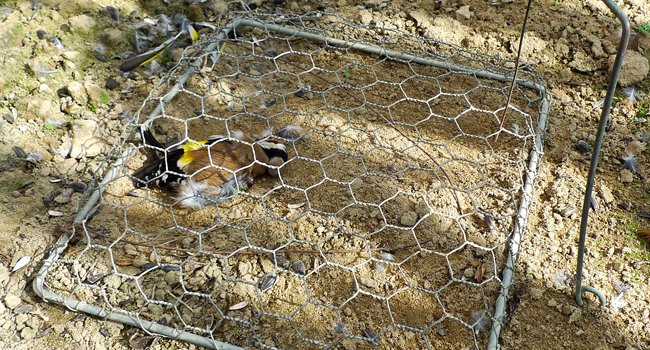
389	226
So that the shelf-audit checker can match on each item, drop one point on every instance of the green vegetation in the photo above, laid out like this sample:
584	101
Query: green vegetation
49	128
10	185
644	28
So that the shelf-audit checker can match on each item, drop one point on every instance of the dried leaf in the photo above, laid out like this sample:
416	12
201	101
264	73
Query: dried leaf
22	262
480	272
238	306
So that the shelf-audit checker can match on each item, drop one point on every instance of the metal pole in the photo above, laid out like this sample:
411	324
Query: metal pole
611	88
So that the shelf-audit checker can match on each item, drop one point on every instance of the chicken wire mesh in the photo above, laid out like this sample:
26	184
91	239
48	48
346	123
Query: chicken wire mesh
395	223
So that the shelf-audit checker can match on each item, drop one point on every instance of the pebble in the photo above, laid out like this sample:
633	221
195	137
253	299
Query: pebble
568	211
536	293
111	83
552	303
469	273
244	268
606	194
583	146
409	218
84	140
41	34
12	301
77	92
618	266
635	68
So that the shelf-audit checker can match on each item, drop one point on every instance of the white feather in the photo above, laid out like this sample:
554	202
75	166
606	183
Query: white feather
192	194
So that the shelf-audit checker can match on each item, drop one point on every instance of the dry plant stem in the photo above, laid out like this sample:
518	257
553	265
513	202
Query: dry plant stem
517	60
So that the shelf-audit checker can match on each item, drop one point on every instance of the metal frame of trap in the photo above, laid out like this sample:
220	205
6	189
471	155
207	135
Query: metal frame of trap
155	328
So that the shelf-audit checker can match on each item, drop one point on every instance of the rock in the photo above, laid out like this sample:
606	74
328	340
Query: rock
582	63
552	303
617	266
568	211
84	139
195	13
71	55
606	194
409	219
12	301
77	92
583	146
96	95
536	293
626	176
464	12
115	38
28	333
469	272
82	22
111	83
635	68
366	16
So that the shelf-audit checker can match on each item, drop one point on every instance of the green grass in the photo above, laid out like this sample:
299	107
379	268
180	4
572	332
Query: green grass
346	74
10	185
103	98
49	128
644	28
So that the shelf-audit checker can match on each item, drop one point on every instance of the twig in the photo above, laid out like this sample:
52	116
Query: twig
514	78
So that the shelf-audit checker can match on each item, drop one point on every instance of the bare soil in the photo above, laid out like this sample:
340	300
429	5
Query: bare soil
361	238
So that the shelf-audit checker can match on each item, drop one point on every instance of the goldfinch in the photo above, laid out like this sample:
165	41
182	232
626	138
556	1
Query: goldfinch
212	170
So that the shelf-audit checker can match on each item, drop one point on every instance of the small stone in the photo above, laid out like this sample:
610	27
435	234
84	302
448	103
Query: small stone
244	268
552	303
77	92
583	146
116	38
28	333
464	12
635	68
82	22
575	315
111	83
409	219
469	272
366	16
96	95
568	211
536	293
12	301
41	34
71	55
84	139
618	266
626	176
606	194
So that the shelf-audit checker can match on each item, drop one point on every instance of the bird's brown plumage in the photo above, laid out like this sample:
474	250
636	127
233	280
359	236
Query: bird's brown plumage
211	170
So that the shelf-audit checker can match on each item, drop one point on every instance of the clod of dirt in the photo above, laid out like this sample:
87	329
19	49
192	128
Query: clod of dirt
84	139
635	68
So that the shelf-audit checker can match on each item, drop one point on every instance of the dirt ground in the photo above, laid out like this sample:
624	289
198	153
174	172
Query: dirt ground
64	104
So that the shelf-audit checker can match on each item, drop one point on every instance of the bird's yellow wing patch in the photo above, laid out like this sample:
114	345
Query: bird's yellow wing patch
188	148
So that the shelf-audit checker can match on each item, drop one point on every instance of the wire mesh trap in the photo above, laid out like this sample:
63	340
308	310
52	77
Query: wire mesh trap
395	223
